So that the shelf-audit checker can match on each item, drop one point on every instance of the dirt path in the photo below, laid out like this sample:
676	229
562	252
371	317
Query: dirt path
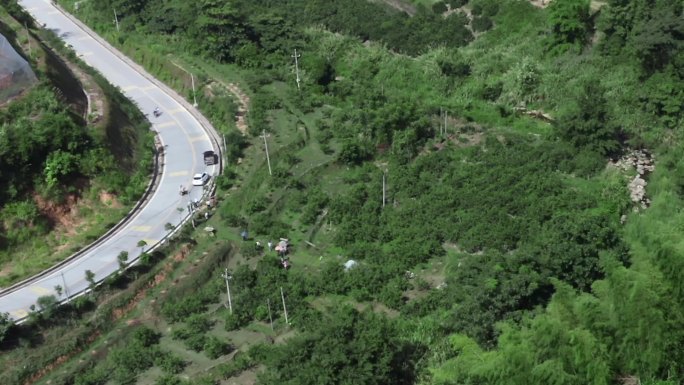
403	6
243	103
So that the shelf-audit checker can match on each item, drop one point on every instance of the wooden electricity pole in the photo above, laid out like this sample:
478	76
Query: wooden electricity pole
227	277
284	307
268	159
296	57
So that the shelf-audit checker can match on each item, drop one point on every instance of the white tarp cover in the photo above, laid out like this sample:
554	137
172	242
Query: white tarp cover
15	72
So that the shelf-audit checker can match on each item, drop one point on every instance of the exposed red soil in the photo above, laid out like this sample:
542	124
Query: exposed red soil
59	214
109	199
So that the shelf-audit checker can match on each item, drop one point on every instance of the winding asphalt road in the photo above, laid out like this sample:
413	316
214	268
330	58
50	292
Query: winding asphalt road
180	132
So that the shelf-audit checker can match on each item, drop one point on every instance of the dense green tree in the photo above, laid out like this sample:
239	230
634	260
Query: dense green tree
170	17
588	123
570	24
220	29
127	7
274	33
658	39
354	152
6	325
146	336
349	348
48	305
661	95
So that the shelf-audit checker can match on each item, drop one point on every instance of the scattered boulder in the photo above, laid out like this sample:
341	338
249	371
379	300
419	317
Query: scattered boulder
644	163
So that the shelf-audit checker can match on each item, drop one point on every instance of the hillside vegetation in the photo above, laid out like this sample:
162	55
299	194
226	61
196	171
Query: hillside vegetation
464	159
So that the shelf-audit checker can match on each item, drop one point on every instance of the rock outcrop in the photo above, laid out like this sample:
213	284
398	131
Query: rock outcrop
644	163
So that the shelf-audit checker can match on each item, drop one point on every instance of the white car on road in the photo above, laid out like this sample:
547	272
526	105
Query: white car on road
200	179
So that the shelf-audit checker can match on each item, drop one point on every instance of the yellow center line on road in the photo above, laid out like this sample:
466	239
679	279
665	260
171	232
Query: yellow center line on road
19	313
150	241
40	290
199	138
185	132
165	124
142	229
129	88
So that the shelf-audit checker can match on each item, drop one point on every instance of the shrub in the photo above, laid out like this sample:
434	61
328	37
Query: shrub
439	7
491	92
250	250
179	310
354	153
97	376
266	224
240	362
481	24
170	363
224	182
233	219
237	320
215	348
457	3
196	341
146	336
169	379
257	205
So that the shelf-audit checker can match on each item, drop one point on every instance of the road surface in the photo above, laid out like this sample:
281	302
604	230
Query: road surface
182	136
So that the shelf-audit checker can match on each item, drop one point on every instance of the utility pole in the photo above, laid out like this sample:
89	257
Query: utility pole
192	214
284	307
66	289
383	189
268	301
268	159
225	148
116	20
227	277
194	97
296	56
